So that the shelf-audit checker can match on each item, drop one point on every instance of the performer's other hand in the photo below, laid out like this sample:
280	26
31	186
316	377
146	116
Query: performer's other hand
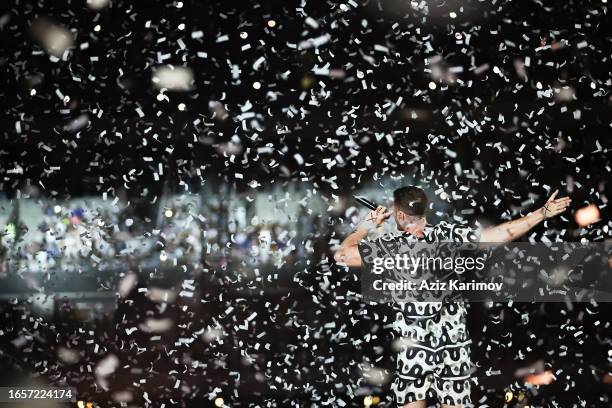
554	206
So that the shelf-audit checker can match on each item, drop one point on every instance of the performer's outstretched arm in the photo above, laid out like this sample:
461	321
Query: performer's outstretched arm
348	253
512	230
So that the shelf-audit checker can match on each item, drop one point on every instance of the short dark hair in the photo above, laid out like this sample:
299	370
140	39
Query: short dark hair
411	200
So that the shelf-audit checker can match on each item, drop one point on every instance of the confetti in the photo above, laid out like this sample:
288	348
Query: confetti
176	178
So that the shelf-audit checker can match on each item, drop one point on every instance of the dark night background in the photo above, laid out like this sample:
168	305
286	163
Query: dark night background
488	105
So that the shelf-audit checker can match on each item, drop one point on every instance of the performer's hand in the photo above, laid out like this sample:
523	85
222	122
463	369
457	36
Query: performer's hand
554	206
376	218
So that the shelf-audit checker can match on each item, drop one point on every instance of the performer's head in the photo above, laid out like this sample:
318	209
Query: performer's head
409	205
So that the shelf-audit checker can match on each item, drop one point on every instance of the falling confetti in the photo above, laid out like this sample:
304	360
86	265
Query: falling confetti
176	176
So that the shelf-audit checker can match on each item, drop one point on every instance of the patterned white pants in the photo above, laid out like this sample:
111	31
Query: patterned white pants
433	354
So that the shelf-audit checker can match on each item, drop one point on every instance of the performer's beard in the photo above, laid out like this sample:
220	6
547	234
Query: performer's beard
412	225
403	225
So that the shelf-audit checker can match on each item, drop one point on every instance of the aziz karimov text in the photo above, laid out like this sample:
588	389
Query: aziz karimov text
449	285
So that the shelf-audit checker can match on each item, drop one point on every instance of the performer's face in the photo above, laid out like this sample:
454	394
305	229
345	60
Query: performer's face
404	221
399	216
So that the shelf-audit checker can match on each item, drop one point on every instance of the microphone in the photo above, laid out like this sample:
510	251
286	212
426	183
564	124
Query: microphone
365	202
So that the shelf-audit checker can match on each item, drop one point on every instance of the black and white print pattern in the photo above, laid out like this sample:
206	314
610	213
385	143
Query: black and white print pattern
433	344
434	357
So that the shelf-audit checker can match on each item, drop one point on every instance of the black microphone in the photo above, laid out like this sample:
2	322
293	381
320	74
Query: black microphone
365	202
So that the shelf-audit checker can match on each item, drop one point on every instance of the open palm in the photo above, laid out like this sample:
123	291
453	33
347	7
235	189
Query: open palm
555	206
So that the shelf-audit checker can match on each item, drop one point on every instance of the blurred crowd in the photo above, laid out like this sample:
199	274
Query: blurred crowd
196	233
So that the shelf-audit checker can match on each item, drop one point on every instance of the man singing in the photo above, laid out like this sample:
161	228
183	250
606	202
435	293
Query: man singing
434	359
